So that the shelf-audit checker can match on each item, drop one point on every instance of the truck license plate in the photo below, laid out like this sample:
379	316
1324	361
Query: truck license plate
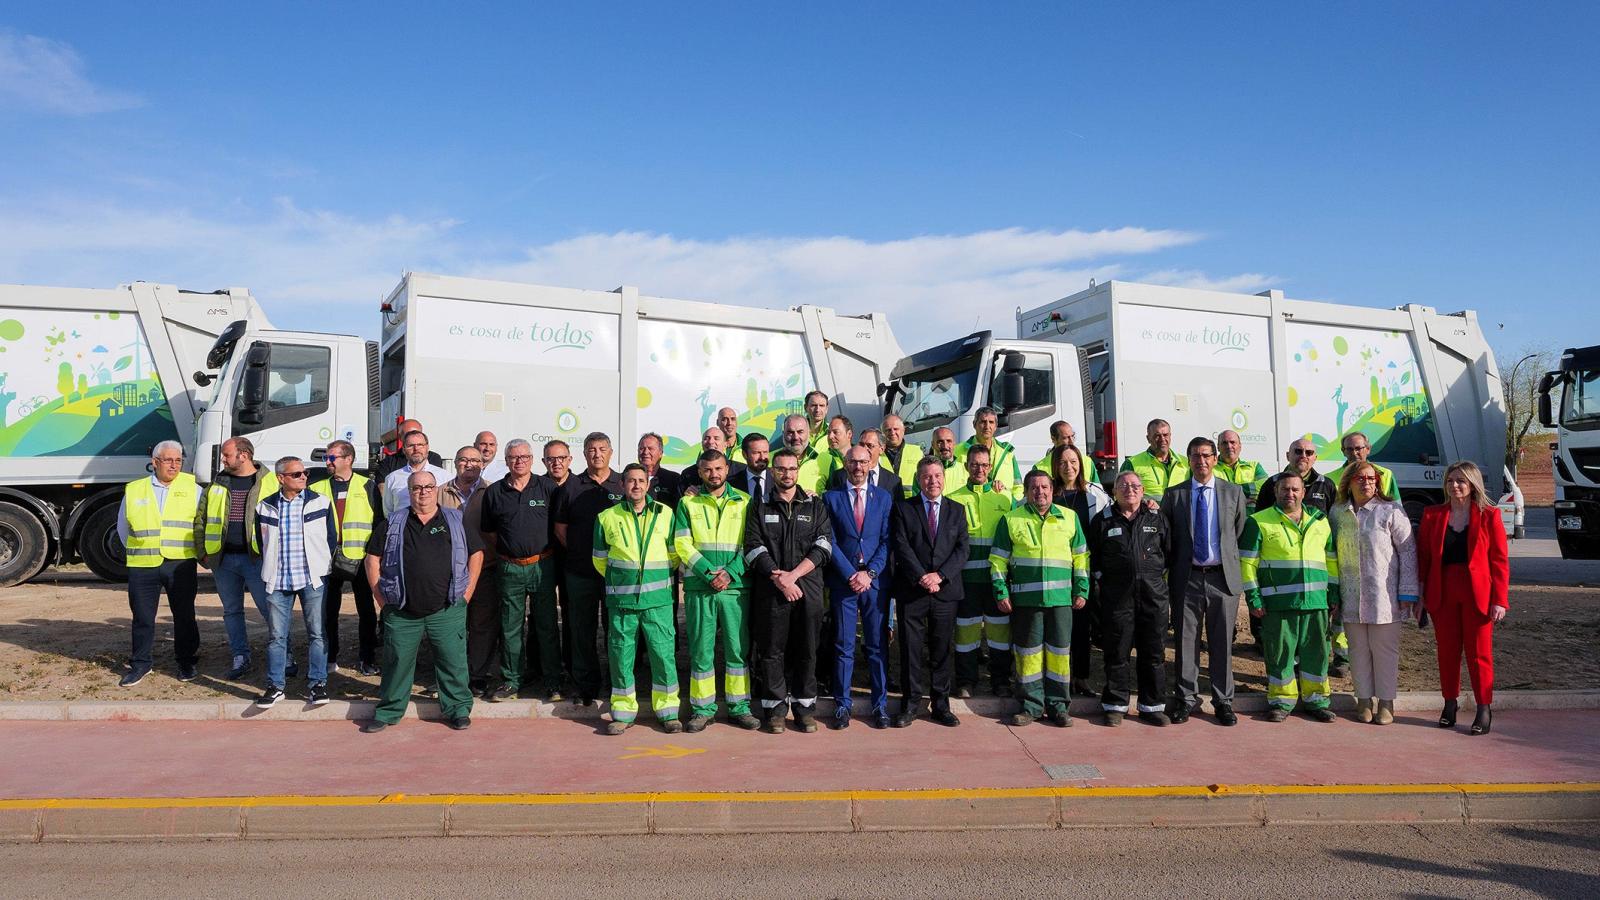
1569	523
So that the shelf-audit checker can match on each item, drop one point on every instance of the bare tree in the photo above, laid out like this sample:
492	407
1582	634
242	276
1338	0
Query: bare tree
1521	388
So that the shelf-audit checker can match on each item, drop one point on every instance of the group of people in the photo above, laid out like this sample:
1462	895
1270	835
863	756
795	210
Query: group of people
791	558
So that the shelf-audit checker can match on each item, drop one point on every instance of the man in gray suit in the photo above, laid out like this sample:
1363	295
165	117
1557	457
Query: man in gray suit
1205	516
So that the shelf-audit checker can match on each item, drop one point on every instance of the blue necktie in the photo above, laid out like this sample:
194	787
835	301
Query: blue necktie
1202	520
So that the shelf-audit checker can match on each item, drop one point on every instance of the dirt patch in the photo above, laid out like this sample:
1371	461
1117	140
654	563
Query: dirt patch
66	638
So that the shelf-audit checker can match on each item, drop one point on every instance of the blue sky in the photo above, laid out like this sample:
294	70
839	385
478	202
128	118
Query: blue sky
943	163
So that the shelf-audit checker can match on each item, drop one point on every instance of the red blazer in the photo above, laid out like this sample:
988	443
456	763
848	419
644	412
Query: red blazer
1487	565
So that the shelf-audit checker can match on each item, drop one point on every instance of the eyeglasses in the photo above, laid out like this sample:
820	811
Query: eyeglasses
1300	451
334	455
1203	455
169	461
299	474
467	461
423	488
556	459
520	457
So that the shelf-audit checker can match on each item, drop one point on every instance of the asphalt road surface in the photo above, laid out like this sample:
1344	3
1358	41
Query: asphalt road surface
1311	861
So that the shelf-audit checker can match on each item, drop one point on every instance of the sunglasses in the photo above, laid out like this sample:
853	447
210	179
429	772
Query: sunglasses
299	474
1299	452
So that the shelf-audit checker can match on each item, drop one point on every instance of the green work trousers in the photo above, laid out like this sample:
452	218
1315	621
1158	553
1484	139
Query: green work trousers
446	631
528	595
660	642
585	596
979	621
1296	639
707	614
1041	645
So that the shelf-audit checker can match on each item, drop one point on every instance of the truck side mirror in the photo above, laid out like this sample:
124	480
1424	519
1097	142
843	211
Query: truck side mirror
253	396
1011	384
1546	418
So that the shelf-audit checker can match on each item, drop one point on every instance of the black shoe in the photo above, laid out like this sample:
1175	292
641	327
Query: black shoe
880	719
134	676
1483	721
1114	718
805	719
945	717
1321	714
291	669
269	698
1001	689
1059	718
904	718
187	672
317	694
368	669
241	667
1020	720
747	722
373	727
1277	714
1179	714
696	724
773	725
1225	714
501	694
1158	719
461	723
840	722
1447	719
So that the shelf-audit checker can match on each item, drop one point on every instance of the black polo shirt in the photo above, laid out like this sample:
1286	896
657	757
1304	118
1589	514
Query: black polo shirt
519	520
579	503
425	552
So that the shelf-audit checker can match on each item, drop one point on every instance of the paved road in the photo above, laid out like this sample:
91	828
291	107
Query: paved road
1326	861
1536	559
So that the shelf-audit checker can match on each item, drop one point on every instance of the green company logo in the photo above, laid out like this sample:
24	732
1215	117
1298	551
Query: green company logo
562	337
566	421
1239	420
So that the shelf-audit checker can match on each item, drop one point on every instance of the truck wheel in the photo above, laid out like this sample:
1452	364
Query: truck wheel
24	544
100	546
1576	547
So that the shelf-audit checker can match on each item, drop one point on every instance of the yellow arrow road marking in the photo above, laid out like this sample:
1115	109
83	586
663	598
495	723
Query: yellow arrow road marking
670	751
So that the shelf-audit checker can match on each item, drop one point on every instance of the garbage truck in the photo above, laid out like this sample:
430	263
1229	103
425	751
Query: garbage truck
462	355
92	379
1422	385
1569	402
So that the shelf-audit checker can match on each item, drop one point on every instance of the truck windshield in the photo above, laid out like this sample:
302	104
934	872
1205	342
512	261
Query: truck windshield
1581	405
935	397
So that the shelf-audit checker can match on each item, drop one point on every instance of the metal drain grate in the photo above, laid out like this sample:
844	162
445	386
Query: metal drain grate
1072	772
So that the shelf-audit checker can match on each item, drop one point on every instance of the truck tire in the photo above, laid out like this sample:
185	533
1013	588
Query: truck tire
100	546
1575	546
24	545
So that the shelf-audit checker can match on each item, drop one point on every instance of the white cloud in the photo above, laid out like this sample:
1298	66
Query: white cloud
323	270
1243	283
46	75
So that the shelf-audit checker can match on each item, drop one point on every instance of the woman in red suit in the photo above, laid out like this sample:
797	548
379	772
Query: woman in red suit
1461	550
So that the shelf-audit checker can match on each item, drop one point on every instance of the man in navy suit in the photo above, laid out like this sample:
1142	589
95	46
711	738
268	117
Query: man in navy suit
860	511
929	538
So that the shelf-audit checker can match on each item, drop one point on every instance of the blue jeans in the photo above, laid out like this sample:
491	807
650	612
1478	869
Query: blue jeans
282	606
872	609
233	574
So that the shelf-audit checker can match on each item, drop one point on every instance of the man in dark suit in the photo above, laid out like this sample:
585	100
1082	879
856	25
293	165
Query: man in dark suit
878	477
929	536
1205	516
755	480
860	515
712	439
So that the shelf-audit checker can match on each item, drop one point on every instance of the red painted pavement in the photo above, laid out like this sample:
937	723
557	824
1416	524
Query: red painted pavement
179	758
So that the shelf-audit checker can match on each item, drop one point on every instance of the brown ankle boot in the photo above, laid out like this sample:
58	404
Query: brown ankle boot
1385	714
1363	709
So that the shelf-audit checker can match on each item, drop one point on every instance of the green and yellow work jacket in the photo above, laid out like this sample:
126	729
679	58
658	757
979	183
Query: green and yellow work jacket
985	508
1002	464
910	455
1040	560
1157	476
1247	475
1288	565
633	552
708	536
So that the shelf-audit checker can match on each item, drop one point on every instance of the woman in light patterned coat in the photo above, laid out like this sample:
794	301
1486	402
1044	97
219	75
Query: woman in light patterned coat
1377	587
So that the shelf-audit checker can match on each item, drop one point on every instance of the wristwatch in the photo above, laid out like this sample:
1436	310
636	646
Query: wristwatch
873	574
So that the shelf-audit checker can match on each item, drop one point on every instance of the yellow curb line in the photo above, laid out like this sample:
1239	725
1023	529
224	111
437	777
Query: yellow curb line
1176	791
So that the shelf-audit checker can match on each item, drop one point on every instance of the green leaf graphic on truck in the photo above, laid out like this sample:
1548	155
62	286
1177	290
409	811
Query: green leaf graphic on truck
78	384
1343	380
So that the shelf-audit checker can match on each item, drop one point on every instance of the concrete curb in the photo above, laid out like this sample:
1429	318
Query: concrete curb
399	815
297	711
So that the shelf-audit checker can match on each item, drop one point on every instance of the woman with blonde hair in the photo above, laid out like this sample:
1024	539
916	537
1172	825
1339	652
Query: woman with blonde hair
1465	575
1377	587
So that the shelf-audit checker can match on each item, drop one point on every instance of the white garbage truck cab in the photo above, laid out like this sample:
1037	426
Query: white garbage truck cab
1569	402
